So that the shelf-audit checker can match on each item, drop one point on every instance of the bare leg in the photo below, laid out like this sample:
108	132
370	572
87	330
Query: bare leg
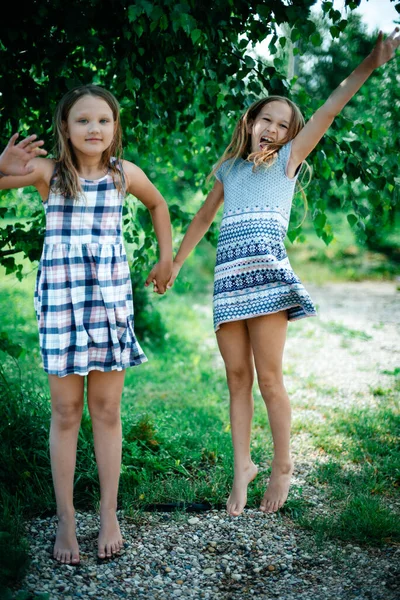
67	404
268	335
104	401
234	345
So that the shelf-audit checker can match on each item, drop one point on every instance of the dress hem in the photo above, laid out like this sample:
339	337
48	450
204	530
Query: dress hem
264	314
102	370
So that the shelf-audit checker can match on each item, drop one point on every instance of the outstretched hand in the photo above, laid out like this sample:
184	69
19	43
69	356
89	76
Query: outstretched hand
385	49
15	158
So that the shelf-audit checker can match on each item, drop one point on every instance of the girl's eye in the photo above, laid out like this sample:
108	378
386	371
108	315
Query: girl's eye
266	119
82	121
284	126
104	121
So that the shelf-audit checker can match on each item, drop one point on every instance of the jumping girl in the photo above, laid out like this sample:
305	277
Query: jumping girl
256	292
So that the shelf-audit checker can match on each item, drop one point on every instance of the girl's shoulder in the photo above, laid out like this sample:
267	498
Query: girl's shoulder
130	170
227	166
136	180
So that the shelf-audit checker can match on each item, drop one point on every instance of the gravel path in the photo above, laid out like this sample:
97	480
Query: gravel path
349	351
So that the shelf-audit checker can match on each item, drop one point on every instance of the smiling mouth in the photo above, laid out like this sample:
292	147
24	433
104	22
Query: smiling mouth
93	140
265	140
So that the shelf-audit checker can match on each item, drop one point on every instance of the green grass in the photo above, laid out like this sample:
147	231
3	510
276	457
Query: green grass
360	472
177	442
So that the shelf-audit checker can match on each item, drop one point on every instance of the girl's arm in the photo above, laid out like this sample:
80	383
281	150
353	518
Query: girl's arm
141	187
198	227
16	158
19	166
315	128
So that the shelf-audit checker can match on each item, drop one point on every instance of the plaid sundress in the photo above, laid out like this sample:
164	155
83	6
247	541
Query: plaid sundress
83	293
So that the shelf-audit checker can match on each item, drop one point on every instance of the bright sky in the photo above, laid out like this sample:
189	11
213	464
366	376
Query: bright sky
376	14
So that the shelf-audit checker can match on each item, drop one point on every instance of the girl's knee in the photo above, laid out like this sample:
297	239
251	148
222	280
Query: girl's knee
67	413
240	378
271	385
105	409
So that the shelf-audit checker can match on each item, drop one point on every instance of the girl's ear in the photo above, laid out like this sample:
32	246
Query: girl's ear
249	126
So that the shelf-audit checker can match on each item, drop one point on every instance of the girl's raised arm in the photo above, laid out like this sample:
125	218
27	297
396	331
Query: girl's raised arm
16	158
21	167
315	128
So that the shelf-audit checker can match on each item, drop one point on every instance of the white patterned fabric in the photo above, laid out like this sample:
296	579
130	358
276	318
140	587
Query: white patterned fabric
253	276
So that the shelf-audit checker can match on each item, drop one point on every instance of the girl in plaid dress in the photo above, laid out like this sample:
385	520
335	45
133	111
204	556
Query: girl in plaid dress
256	292
83	295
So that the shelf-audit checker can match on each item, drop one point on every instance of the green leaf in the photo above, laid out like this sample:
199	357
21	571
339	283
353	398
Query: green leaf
195	35
212	88
352	220
220	100
320	221
249	62
326	6
316	39
335	31
295	35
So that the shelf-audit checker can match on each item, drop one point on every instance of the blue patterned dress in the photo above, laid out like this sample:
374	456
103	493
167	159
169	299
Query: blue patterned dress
83	295
253	276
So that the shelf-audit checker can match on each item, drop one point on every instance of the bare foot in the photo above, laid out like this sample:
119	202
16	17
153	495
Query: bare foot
110	541
66	549
238	497
278	487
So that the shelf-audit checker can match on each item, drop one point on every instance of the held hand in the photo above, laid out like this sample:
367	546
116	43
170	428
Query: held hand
15	158
175	272
385	49
159	276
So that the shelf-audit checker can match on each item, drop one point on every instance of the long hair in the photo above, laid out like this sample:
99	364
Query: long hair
240	144
67	182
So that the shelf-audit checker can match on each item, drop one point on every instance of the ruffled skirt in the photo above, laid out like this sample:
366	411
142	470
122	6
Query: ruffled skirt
84	308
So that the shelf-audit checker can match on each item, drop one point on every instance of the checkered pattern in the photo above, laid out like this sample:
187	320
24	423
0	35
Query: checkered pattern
83	295
253	276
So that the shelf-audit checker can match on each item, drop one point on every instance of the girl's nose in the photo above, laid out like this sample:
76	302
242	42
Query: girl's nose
93	127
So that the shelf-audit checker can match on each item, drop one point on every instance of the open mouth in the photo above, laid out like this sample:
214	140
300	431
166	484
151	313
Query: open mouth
264	141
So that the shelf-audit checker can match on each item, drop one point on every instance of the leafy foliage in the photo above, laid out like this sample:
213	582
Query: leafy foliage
183	73
357	162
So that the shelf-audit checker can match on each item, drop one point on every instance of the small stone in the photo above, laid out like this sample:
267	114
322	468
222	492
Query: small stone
193	521
236	576
208	571
271	568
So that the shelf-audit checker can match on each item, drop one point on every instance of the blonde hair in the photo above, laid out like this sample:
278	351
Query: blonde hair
67	182
240	144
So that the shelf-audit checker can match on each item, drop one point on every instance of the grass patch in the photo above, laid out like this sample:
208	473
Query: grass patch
345	332
177	441
361	518
360	473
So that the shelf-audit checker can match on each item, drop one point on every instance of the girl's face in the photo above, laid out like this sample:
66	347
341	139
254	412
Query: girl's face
90	126
270	125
